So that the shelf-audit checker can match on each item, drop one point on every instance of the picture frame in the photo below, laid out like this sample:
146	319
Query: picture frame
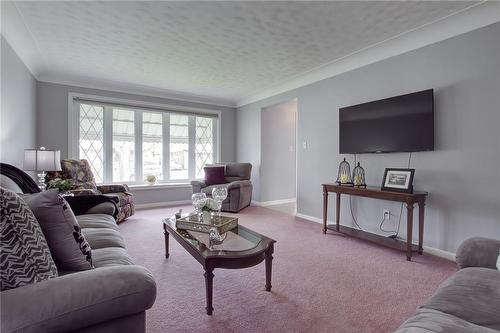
398	180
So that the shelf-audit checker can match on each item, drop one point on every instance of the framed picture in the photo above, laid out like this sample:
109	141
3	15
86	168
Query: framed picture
398	180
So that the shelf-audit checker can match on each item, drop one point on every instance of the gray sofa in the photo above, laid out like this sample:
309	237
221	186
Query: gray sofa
112	297
239	187
469	301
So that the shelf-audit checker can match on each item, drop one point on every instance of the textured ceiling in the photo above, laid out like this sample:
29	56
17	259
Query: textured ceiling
223	50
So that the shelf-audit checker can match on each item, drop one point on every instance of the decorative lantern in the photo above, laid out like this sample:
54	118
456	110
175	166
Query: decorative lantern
344	174
358	176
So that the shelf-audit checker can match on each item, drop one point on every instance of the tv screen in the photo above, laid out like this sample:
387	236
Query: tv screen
398	124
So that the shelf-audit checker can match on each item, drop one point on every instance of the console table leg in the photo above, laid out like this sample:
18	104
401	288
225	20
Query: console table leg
421	209
325	209
165	232
337	213
269	266
409	230
209	282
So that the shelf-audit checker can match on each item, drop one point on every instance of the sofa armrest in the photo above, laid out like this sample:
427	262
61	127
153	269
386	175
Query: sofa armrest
238	184
478	252
113	188
198	185
77	300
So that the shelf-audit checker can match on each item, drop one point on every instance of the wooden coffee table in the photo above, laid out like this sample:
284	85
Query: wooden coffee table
255	249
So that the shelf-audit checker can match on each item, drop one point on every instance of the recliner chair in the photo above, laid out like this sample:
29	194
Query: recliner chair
239	187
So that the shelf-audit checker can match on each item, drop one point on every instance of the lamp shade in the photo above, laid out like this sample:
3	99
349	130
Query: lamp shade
42	160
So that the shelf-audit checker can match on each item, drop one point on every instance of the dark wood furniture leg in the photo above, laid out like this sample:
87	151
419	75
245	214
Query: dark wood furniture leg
269	266
421	210
409	230
165	232
337	212
325	209
209	283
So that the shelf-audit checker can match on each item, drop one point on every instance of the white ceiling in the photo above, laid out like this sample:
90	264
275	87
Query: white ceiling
224	51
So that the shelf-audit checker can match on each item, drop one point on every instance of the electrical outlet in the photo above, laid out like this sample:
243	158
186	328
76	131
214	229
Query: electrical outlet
387	214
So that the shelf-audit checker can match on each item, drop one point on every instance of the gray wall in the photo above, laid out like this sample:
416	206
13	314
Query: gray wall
462	175
18	114
52	129
277	168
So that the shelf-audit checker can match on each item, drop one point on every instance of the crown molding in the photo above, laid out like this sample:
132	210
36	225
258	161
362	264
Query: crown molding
134	89
471	18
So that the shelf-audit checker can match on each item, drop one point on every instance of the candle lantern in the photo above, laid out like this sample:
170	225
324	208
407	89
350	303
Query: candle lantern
358	176
344	174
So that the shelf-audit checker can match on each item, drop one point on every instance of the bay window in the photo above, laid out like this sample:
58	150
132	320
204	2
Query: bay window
125	143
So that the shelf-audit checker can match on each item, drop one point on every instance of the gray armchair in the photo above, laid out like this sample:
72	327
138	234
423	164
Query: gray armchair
239	187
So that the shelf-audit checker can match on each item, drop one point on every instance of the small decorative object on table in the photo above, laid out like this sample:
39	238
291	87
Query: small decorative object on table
214	238
358	176
219	194
210	206
398	180
199	200
151	179
222	225
344	174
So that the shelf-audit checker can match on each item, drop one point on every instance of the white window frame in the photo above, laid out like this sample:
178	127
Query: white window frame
166	109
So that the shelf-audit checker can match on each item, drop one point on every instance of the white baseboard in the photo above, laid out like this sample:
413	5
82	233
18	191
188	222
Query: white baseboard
431	250
163	204
273	202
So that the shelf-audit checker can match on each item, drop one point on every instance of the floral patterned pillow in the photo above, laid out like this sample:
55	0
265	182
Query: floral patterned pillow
79	172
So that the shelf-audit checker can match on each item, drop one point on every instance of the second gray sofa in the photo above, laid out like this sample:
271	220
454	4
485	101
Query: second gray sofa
469	301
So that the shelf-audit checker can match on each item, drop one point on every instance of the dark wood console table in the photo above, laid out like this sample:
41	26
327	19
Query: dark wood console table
410	199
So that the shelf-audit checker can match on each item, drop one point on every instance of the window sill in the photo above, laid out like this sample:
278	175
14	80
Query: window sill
143	187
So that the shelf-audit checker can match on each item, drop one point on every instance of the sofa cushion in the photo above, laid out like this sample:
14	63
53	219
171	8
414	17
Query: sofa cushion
99	238
69	248
97	221
214	175
428	320
111	256
472	294
25	253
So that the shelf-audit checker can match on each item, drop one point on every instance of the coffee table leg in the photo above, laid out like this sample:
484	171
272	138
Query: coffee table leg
209	282
165	232
269	266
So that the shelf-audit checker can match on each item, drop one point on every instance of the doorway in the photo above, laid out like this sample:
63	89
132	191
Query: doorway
278	171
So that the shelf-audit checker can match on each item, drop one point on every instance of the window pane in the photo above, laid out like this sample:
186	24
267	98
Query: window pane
179	147
152	144
204	144
123	145
92	138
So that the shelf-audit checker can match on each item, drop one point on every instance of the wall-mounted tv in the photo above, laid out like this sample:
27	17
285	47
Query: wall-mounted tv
398	124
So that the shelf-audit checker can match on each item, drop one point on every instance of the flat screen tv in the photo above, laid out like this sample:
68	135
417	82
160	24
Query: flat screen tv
398	124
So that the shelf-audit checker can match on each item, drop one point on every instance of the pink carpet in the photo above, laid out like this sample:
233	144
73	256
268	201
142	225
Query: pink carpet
321	283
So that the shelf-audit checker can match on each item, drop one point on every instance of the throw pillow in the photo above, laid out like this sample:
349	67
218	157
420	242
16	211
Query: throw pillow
70	249
25	256
214	175
79	172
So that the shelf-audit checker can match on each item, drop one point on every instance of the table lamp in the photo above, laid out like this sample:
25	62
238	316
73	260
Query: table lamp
42	160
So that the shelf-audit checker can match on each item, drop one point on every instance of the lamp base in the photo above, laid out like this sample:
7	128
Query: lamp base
41	181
